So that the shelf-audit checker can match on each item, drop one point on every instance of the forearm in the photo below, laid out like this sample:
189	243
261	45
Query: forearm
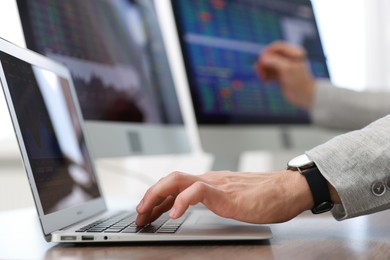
340	108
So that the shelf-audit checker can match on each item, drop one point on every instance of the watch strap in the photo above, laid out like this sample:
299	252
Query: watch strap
319	190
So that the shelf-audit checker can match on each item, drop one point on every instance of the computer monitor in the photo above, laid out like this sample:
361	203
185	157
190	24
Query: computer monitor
220	42
117	58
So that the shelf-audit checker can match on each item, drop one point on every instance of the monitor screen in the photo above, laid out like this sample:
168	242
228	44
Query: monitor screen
221	41
115	53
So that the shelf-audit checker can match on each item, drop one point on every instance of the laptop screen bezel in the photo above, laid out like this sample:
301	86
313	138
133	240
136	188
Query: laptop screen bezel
66	217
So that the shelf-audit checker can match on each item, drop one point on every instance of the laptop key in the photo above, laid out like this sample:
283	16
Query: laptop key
131	230
149	229
113	224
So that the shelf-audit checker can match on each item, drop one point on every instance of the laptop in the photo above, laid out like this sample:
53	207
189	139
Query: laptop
65	187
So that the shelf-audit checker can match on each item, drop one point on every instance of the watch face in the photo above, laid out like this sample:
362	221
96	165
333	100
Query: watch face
300	161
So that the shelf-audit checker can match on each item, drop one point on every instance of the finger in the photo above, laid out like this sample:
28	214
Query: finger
265	73
260	71
275	58
147	215
150	216
143	218
171	185
157	202
274	64
158	211
285	49
200	192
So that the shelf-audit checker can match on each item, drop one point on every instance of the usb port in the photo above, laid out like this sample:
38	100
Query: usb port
87	238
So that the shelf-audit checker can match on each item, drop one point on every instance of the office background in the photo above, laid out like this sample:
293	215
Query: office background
354	35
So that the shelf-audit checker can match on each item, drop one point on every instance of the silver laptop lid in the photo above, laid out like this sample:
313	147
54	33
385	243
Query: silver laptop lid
48	126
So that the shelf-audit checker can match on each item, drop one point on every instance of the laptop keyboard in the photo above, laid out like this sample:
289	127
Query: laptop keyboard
125	223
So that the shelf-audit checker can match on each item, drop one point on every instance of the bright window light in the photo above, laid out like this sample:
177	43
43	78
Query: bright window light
342	25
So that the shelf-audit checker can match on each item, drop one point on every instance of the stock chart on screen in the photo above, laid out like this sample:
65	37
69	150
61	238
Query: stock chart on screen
221	42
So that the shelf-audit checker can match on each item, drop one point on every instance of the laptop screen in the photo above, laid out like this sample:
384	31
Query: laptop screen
52	134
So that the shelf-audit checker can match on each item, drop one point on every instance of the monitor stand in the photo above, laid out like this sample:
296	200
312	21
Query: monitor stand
230	143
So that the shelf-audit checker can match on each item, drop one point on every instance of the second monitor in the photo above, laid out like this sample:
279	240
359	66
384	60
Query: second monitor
221	41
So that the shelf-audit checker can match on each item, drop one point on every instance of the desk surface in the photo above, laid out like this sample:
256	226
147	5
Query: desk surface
305	237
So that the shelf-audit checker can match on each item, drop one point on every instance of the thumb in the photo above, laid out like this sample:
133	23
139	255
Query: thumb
275	62
272	66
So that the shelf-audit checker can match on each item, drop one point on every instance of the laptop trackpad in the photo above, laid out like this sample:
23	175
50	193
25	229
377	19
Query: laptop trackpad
211	220
203	222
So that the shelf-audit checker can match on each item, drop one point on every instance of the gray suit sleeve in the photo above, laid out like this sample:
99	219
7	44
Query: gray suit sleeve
353	163
346	109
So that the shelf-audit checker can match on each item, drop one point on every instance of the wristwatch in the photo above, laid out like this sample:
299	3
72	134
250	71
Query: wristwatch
317	183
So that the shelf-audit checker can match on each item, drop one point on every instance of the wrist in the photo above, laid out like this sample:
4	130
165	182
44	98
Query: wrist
302	194
318	185
300	191
334	196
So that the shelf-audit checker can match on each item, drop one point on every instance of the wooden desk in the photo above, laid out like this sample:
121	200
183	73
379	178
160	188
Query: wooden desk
306	237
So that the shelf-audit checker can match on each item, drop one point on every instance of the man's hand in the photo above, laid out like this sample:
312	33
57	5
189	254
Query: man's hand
249	197
287	65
